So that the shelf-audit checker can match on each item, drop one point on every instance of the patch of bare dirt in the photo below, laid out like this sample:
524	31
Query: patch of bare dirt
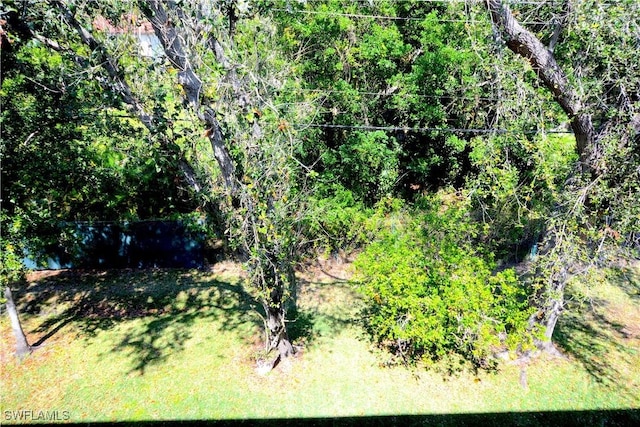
335	268
229	268
628	319
34	276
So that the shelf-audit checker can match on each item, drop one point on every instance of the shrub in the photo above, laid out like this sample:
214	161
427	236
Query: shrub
431	292
335	221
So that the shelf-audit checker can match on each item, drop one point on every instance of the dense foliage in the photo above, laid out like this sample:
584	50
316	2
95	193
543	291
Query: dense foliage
404	129
70	152
432	293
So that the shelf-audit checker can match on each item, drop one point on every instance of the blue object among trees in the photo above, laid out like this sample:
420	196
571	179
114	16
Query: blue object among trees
144	244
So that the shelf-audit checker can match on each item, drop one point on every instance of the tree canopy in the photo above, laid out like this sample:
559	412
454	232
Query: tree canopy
478	154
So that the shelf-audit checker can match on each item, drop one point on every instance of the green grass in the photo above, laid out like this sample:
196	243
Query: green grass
152	345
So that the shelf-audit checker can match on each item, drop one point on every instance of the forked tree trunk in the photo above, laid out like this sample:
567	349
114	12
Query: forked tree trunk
22	345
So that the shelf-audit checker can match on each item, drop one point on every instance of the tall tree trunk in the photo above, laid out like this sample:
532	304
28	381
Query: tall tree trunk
22	345
550	298
270	282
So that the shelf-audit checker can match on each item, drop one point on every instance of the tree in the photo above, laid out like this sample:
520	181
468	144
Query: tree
389	76
67	153
231	80
259	181
11	272
22	345
599	90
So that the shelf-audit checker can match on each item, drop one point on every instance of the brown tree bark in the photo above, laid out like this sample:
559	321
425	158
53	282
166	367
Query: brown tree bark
526	44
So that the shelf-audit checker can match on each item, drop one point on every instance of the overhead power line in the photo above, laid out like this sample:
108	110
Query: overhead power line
373	3
416	95
405	129
392	18
432	129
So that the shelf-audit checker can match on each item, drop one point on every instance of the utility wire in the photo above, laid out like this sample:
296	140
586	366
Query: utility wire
416	95
405	129
430	129
394	18
373	3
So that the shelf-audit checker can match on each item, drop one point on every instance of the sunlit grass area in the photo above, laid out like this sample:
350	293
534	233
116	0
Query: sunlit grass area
167	344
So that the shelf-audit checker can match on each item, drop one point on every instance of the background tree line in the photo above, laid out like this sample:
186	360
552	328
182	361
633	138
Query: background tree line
479	154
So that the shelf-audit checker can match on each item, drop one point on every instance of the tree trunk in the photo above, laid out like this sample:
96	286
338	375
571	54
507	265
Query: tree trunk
22	346
550	308
275	321
178	54
526	44
277	336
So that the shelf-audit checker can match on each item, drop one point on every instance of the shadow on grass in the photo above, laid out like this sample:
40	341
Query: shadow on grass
595	339
321	310
167	302
627	279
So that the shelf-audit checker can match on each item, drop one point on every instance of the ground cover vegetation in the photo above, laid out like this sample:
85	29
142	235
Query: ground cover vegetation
134	345
479	157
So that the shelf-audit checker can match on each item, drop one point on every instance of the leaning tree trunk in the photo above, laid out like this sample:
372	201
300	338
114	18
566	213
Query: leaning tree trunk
553	267
550	297
22	345
524	43
118	84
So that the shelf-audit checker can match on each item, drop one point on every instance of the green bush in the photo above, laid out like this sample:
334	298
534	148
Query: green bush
12	269
431	292
335	221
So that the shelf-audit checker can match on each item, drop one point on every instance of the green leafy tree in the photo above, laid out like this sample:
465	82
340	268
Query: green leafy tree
222	72
384	68
69	150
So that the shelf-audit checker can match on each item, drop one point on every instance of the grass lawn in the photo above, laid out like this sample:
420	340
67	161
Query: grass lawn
168	344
